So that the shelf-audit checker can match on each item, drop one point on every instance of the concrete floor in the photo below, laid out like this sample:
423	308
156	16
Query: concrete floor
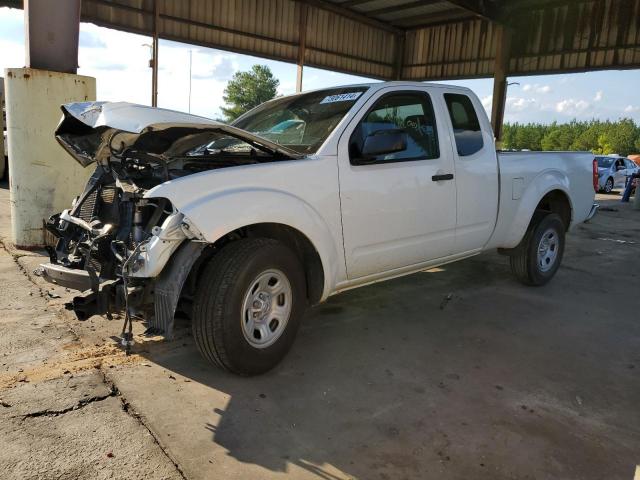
455	373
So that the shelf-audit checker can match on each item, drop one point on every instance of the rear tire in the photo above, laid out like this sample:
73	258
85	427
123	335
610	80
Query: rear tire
249	302
537	259
608	186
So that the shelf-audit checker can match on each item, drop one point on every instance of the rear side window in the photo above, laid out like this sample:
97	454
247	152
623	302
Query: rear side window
466	126
604	162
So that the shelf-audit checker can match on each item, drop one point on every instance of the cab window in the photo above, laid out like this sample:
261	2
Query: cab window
466	126
406	117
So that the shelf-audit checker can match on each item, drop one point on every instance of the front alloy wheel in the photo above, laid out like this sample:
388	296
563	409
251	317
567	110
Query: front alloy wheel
248	305
266	308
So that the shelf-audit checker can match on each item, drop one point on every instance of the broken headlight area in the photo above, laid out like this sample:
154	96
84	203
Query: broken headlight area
123	249
113	242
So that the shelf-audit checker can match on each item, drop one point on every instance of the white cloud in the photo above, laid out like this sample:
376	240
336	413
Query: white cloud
536	87
118	61
572	107
599	96
519	104
631	109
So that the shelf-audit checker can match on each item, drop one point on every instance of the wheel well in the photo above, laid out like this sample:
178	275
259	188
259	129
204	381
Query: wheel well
294	239
556	201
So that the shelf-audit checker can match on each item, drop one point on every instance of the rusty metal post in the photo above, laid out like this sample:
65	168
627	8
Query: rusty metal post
501	70
399	52
154	53
302	36
43	180
43	177
3	161
52	30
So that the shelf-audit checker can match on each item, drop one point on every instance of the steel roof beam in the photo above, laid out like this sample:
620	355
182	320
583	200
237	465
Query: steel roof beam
485	9
399	8
350	14
354	3
525	5
419	21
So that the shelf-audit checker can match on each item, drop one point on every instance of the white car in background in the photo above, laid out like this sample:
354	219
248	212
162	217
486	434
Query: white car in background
613	172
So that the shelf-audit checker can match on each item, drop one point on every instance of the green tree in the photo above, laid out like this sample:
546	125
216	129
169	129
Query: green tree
601	137
620	137
587	140
249	89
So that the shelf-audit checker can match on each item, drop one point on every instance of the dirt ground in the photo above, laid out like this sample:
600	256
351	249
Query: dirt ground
455	373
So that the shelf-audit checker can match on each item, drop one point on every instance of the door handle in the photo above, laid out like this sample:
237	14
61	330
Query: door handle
439	178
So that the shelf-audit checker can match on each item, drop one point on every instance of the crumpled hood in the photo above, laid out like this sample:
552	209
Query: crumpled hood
89	131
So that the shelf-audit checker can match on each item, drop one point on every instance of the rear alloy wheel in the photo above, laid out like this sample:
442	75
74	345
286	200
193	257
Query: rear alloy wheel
249	302
608	186
538	257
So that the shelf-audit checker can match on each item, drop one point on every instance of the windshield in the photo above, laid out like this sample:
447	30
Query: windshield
604	162
301	122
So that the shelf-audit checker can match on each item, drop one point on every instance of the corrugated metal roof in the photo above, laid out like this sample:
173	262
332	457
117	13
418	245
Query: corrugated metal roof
389	39
570	37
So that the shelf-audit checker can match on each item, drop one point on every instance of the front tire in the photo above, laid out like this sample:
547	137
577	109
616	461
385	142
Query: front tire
248	305
539	255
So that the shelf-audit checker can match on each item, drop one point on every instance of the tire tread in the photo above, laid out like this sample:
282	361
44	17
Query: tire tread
521	261
211	298
215	310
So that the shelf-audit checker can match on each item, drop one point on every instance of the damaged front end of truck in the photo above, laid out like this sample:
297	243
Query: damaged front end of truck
124	249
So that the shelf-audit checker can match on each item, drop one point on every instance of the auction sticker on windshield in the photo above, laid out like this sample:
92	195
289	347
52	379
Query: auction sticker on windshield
344	97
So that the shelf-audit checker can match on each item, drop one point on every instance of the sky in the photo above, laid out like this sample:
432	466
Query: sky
120	63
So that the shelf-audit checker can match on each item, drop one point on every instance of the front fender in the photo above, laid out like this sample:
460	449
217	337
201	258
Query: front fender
216	214
515	215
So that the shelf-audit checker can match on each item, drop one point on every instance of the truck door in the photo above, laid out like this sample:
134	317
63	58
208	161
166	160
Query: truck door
398	208
476	170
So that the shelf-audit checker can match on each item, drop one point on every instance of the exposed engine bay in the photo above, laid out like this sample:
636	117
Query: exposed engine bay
112	230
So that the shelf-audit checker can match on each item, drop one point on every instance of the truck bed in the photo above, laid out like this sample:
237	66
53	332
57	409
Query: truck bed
522	175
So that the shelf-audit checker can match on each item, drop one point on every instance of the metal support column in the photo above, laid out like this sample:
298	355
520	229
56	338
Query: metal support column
43	184
302	36
399	60
154	53
52	30
3	163
501	70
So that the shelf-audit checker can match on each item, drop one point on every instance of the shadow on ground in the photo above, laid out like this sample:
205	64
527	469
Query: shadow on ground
455	373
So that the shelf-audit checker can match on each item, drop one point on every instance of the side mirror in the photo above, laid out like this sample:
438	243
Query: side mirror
619	167
384	142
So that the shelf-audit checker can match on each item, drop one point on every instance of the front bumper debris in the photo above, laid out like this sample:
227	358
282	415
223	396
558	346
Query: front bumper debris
72	278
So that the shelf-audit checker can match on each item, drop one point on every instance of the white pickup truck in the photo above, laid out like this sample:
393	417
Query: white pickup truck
244	226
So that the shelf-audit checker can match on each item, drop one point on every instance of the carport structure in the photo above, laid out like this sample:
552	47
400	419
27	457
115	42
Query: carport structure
383	39
396	39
